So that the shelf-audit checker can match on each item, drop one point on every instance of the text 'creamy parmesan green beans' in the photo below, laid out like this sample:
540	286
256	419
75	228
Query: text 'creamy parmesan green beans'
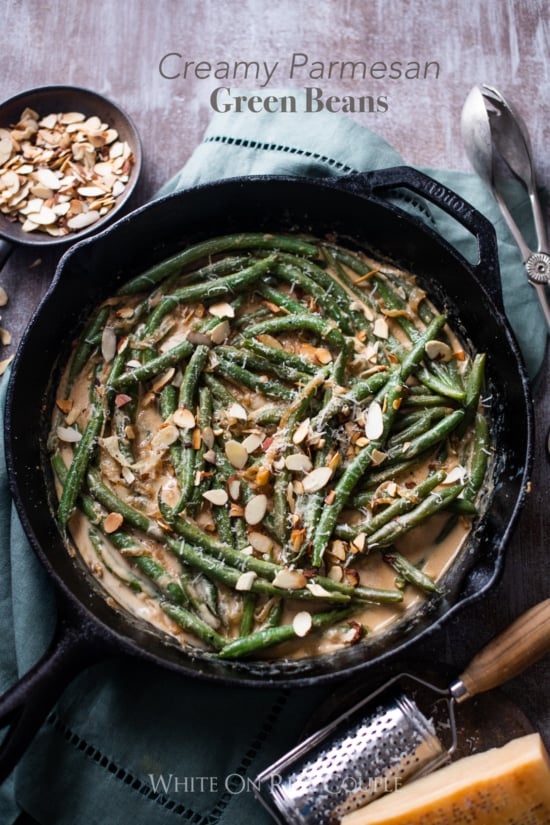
269	445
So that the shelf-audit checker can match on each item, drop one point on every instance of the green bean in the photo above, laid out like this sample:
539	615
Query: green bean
193	624
219	391
78	466
247	616
480	458
433	503
392	394
360	391
174	264
334	291
313	323
410	573
419	426
268	569
474	386
269	636
136	518
154	367
230	576
427	439
415	402
280	299
440	386
87	342
295	275
397	508
260	364
254	382
207	290
188	390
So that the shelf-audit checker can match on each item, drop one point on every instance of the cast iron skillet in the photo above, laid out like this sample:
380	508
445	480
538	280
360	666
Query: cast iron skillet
357	209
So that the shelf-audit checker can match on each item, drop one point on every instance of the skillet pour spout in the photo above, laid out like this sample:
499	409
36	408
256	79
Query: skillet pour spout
362	211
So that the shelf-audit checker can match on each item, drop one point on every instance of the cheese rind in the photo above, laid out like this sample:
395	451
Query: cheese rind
503	786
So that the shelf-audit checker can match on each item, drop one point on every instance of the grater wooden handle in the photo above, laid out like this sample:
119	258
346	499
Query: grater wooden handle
524	642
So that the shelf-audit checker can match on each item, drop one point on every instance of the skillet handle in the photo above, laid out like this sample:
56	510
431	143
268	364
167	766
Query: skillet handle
24	707
486	270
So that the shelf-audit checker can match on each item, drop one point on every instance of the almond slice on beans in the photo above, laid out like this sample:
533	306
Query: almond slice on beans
217	497
237	455
112	522
255	509
438	351
68	434
302	623
245	581
317	479
298	462
374	423
289	579
183	418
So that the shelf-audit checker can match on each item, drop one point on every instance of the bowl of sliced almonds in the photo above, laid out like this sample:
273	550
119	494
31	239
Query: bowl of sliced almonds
69	162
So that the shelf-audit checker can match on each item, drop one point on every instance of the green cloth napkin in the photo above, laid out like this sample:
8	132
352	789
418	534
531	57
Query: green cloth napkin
129	742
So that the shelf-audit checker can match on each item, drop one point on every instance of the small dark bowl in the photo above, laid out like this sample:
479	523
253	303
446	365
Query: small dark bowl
46	100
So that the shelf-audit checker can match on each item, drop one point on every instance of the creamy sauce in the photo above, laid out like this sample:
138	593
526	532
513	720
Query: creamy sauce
149	475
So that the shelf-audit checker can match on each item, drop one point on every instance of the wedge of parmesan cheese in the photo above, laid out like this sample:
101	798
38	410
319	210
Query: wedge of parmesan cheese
503	786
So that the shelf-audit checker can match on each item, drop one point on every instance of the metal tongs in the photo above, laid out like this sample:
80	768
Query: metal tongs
494	136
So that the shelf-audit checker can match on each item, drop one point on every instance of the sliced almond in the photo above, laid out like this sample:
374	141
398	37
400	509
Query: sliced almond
374	422
183	418
166	435
44	217
220	332
302	623
289	579
6	146
380	328
438	351
378	457
108	344
112	522
255	509
338	549
301	432
237	411
237	455
68	434
359	541
317	590
83	220
454	476
323	355
234	488
260	542
317	479
222	310
208	437
218	497
48	178
252	442
163	379
270	341
64	404
246	580
335	573
298	462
